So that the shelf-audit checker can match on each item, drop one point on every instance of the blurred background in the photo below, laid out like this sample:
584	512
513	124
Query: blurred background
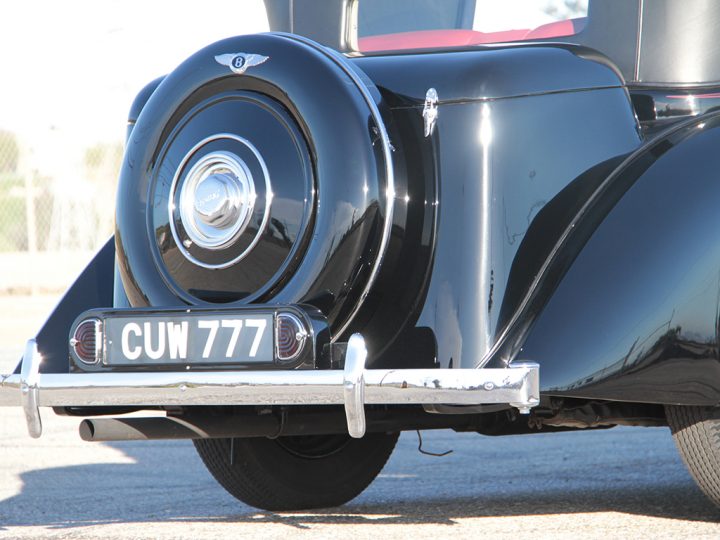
69	70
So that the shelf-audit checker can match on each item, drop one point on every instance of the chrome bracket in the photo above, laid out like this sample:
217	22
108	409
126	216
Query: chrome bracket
354	385
518	385
530	396
430	111
29	393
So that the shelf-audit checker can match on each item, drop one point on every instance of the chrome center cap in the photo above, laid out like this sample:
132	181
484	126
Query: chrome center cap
217	200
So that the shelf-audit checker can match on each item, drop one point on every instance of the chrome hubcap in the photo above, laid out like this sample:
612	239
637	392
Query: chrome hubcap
217	200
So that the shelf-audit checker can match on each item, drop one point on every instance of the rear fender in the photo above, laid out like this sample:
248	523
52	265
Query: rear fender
627	308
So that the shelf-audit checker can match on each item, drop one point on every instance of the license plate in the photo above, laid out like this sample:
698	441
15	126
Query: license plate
192	338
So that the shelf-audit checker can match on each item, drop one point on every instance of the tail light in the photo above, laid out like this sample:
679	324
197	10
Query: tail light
87	341
291	336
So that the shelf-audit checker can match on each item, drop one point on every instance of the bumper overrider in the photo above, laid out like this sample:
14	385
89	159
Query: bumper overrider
354	386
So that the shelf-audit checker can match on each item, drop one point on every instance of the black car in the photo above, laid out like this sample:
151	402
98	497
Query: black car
376	218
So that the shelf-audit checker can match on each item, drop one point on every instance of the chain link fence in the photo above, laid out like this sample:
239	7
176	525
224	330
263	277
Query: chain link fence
56	209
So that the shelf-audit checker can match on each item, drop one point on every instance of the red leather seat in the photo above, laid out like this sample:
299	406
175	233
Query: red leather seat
555	29
436	38
424	39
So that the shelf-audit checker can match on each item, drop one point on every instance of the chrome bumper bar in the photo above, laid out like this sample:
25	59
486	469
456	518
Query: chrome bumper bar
354	387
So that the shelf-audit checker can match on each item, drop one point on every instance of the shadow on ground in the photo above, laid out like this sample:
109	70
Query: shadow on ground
631	472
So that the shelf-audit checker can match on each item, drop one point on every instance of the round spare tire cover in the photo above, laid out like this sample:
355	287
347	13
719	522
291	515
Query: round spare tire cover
259	171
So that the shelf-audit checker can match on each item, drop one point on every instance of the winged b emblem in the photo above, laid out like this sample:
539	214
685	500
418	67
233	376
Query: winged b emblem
240	62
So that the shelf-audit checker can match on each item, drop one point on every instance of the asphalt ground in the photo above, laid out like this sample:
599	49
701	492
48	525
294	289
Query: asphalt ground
619	483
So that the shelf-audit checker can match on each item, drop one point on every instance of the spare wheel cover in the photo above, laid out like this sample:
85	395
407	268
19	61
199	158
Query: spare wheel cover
259	171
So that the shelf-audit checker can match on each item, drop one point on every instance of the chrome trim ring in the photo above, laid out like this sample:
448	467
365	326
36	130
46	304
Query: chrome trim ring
98	346
301	335
343	64
214	217
217	199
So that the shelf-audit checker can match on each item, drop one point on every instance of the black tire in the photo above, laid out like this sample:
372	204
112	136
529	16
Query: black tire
696	431
295	473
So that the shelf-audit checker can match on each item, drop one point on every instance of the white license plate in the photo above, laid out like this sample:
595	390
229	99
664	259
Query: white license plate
193	338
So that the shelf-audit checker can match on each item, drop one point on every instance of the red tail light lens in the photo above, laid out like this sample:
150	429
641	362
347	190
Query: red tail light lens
87	341
290	336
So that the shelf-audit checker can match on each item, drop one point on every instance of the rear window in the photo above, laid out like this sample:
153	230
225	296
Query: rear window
415	24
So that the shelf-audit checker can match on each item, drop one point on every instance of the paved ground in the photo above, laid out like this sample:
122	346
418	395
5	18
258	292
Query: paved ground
618	483
614	484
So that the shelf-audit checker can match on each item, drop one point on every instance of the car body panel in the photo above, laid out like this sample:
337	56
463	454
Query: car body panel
636	315
501	127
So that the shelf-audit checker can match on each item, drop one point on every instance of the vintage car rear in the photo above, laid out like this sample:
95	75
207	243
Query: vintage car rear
376	218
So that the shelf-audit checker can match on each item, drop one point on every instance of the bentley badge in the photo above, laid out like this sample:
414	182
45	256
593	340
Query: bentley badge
240	62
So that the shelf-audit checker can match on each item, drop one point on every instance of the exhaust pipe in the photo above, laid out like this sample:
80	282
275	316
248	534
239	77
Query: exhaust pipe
197	426
158	428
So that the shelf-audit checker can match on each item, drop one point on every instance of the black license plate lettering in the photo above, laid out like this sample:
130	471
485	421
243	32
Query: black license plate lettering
195	338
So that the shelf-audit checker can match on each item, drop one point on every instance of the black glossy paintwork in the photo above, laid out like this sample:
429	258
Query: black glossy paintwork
658	108
498	163
395	301
635	314
462	203
491	72
139	102
517	233
275	135
348	165
498	171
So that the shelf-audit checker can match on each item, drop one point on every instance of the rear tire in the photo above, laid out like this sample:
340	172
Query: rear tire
696	431
294	473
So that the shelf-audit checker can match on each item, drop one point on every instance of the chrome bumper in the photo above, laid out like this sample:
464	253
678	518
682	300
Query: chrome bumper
353	387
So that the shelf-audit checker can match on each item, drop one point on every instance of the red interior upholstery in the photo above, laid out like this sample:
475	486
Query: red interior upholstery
435	38
557	29
459	38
